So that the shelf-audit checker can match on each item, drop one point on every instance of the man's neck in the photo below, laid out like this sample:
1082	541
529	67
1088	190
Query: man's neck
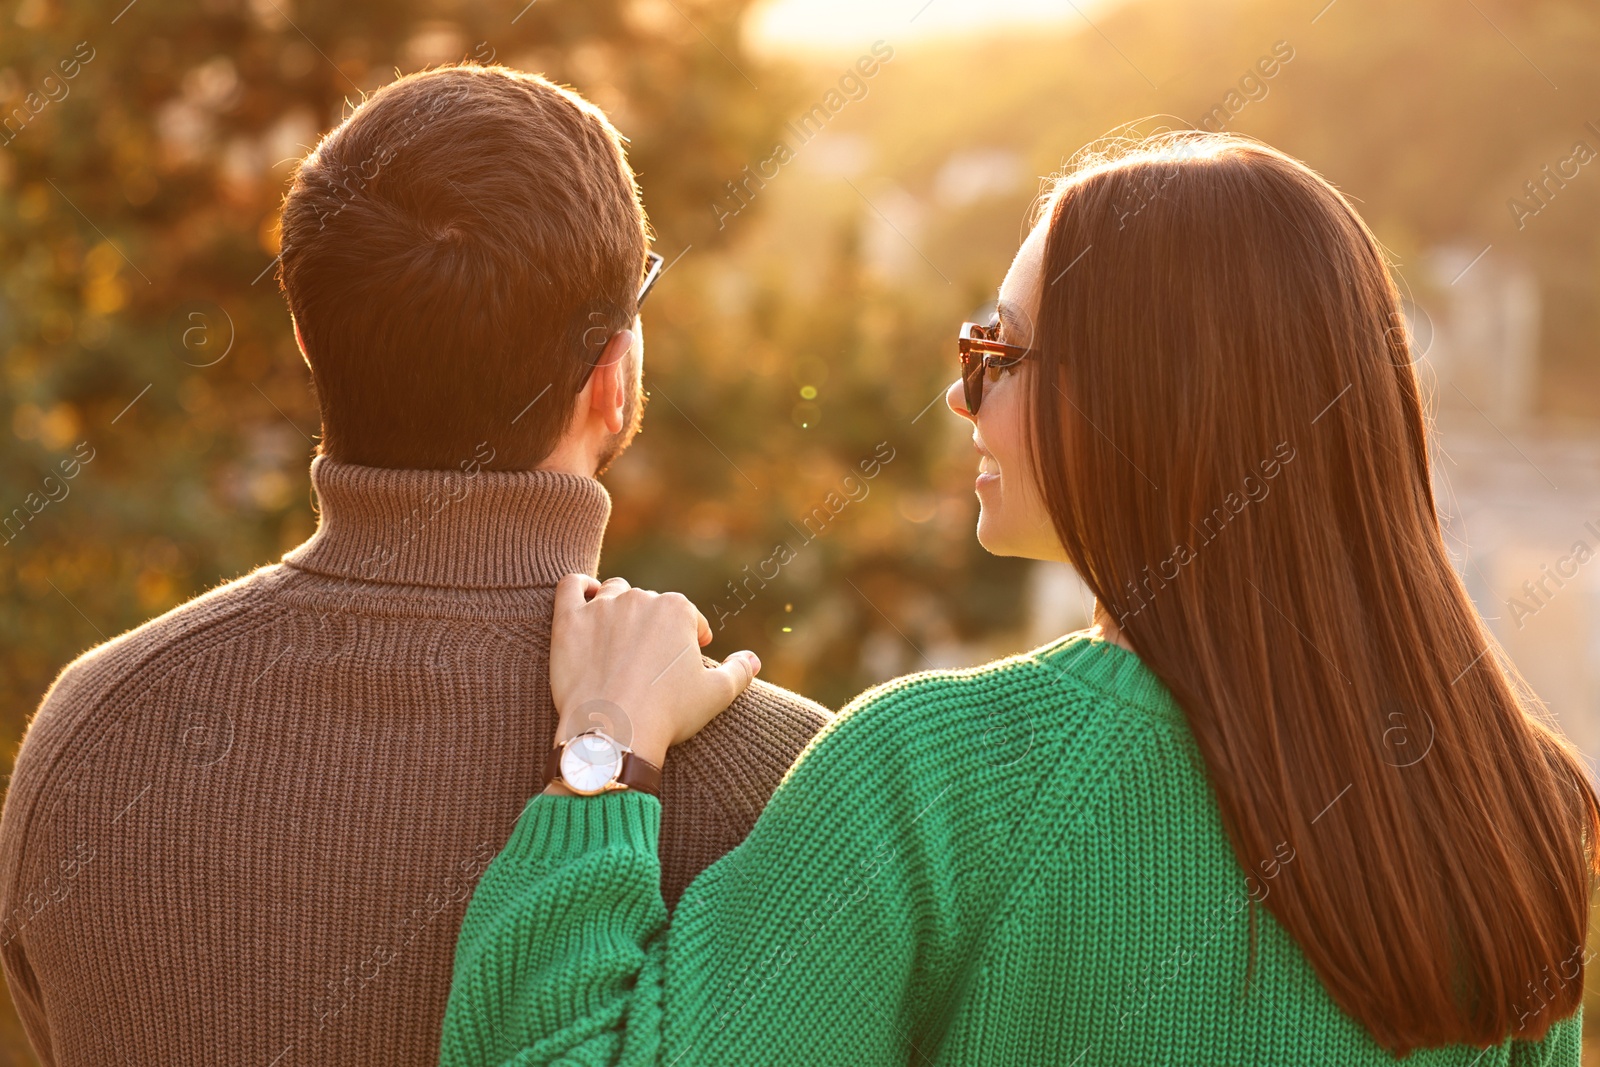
570	456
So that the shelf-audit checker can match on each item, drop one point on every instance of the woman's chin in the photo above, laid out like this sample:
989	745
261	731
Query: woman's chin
991	534
1000	538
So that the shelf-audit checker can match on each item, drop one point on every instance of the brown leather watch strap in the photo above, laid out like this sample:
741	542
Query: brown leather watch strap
552	766
640	774
636	773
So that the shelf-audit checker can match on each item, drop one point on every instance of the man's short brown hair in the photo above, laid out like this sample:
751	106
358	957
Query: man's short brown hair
458	249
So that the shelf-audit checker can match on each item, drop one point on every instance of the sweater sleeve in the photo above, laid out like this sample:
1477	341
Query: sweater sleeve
30	890
809	943
25	999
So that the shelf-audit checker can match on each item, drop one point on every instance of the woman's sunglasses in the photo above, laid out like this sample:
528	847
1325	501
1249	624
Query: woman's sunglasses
983	357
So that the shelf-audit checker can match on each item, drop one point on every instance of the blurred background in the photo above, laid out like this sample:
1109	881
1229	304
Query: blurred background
827	230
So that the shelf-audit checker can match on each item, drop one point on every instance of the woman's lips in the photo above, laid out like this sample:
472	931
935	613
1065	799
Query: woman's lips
988	469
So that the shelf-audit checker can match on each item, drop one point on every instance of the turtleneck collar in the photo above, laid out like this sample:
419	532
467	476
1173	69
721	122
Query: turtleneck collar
483	529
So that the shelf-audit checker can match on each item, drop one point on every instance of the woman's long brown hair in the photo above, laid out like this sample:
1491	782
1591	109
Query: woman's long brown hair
1230	435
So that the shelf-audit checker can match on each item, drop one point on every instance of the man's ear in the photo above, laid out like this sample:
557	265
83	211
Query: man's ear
607	386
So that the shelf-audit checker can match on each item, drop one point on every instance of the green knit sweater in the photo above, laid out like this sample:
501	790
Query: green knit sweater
1018	864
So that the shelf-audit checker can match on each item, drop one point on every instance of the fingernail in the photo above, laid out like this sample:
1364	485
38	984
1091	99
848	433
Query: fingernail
755	663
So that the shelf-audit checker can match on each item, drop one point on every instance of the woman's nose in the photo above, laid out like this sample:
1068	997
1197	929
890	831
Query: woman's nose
956	397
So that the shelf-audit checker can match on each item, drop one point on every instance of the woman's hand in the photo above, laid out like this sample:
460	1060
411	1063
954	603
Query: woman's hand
629	661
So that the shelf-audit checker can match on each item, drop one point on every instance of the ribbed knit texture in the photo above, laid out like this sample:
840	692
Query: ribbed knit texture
1020	864
246	832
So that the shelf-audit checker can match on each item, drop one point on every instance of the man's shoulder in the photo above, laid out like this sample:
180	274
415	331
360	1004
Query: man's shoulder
119	669
782	709
768	720
742	754
81	709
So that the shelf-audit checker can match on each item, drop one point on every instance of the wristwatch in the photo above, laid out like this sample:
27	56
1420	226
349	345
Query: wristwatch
595	762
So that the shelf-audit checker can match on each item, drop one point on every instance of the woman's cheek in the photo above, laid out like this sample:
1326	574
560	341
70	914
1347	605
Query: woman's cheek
1003	434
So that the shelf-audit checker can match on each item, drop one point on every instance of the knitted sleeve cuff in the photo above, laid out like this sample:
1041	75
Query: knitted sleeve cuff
555	829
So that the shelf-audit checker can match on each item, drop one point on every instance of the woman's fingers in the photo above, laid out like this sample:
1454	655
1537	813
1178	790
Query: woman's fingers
737	672
574	590
702	627
611	587
579	588
677	602
590	588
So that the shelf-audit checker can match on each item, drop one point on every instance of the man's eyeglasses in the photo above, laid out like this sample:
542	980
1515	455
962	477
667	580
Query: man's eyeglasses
983	357
652	271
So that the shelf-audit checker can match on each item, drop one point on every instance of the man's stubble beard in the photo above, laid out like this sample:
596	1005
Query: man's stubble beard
632	418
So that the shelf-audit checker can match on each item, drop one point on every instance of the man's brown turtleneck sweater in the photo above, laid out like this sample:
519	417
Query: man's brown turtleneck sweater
246	832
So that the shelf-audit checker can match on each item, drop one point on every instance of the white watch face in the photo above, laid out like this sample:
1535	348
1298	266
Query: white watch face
590	763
